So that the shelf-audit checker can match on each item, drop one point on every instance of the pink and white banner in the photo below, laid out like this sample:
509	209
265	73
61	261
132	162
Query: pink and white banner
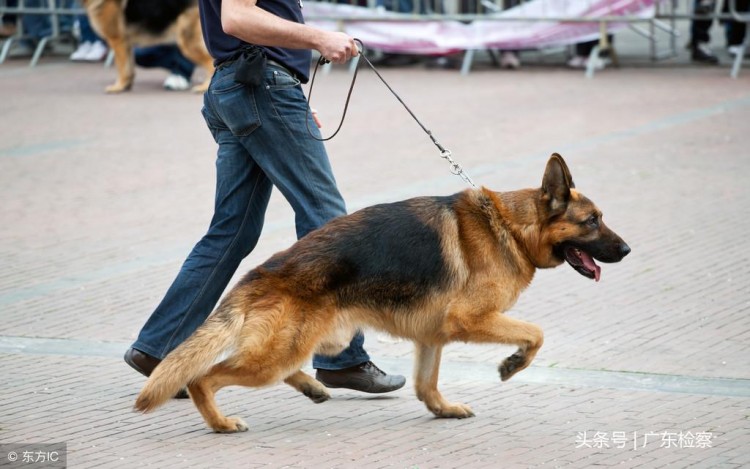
446	36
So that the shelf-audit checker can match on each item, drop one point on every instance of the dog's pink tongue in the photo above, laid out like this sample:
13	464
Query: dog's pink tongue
588	261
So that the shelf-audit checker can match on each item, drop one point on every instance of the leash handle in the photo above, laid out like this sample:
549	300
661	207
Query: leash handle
322	61
446	154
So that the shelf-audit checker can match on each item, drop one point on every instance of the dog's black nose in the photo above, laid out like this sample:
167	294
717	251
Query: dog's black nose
624	249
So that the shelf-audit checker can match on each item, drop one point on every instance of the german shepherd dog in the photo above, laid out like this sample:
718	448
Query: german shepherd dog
431	269
125	23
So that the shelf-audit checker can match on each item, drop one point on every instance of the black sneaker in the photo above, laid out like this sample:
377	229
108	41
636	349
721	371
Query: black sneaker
365	377
700	52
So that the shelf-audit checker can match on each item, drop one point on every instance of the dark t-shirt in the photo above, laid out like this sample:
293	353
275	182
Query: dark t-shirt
222	46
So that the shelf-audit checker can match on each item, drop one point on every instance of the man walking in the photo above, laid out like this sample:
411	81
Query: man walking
257	114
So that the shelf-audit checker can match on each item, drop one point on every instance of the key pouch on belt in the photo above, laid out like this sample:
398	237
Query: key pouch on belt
251	66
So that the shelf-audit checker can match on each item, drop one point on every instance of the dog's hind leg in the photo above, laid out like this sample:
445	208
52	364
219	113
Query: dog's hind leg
243	372
426	369
124	63
308	386
191	44
203	392
108	20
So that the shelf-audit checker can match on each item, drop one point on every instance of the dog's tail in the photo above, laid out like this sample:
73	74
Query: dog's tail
193	358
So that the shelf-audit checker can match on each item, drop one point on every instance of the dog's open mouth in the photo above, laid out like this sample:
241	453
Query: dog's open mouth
582	262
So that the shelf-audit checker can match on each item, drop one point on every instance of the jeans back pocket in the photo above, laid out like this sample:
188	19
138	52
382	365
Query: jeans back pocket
235	105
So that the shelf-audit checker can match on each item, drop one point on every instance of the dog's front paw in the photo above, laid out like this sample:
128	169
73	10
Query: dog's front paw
118	87
512	365
317	395
451	411
231	425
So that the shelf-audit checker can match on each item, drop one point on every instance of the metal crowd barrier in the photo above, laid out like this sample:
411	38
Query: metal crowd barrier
55	9
741	17
661	22
529	11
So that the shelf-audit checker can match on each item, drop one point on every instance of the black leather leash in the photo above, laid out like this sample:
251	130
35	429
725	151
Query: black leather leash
456	168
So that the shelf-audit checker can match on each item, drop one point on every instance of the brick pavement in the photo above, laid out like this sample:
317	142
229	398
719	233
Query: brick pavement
102	196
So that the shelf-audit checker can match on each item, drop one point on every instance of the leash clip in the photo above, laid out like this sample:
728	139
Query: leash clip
456	168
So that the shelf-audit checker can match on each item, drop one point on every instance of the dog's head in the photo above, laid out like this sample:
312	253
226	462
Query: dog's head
573	225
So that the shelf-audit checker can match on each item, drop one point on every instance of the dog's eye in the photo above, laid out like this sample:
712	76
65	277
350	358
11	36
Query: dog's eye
593	221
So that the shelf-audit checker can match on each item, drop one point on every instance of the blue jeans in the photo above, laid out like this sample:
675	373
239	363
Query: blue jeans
165	56
263	142
87	32
39	26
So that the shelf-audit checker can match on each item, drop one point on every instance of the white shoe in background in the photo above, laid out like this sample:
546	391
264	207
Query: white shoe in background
600	63
81	52
97	52
509	59
175	82
580	61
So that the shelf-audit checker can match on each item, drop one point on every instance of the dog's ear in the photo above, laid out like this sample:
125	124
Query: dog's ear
556	184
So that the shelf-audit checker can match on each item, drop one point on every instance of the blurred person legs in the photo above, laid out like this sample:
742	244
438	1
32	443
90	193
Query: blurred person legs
167	56
8	25
583	51
510	59
700	51
735	30
40	26
91	47
35	27
391	59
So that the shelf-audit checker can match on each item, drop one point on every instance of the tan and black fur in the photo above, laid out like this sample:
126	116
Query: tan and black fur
433	270
125	23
